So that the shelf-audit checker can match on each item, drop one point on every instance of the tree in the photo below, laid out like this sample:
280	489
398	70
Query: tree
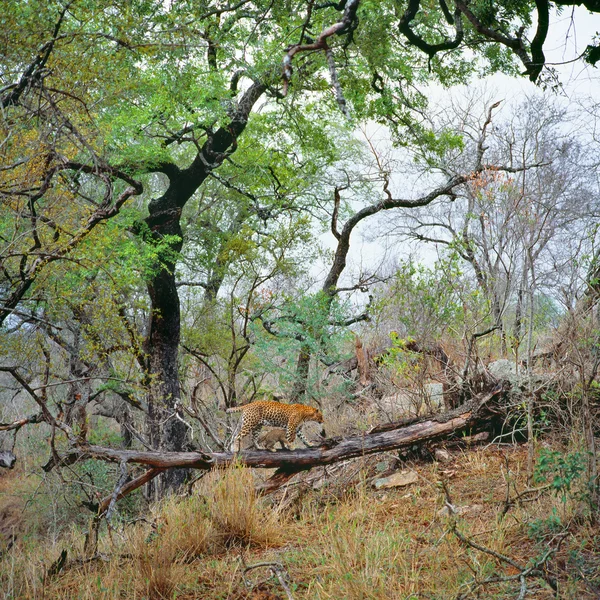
102	104
510	228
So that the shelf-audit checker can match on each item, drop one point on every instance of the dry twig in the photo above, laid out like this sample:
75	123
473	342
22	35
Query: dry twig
276	569
524	571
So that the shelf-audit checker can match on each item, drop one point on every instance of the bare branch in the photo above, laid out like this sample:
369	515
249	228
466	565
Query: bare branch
101	214
346	24
516	44
431	49
16	425
117	490
35	71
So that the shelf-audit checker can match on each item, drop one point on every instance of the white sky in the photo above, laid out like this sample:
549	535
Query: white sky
569	34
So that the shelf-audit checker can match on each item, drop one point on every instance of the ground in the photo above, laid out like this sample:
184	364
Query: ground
343	539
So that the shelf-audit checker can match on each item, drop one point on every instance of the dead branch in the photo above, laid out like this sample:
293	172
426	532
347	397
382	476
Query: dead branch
524	571
345	25
121	490
118	490
129	487
533	570
16	425
276	569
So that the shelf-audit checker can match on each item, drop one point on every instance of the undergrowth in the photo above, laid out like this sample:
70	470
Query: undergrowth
225	542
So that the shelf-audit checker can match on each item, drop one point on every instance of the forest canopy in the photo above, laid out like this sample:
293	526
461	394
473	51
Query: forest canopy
169	170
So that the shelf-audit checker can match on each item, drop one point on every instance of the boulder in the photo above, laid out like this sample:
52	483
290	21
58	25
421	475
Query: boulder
399	479
461	510
504	369
435	393
7	459
442	455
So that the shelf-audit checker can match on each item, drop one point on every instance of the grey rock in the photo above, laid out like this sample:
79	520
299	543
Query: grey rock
399	479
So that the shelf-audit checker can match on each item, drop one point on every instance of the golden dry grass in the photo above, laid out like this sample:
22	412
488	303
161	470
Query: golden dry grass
355	543
239	515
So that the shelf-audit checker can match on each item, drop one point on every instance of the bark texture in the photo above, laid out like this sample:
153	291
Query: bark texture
167	432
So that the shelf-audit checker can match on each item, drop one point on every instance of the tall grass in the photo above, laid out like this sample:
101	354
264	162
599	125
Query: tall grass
362	556
239	515
184	529
360	545
367	561
150	561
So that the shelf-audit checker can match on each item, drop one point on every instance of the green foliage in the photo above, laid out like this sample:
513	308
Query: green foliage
140	87
592	54
563	471
127	78
427	303
309	322
539	529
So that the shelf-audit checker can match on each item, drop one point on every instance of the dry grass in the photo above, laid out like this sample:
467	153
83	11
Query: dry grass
360	545
152	561
185	530
365	559
239	516
156	568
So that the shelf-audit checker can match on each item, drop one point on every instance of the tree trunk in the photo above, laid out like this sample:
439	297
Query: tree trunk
362	362
330	288
301	378
166	431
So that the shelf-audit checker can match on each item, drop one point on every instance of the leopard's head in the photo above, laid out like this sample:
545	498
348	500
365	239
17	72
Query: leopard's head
314	414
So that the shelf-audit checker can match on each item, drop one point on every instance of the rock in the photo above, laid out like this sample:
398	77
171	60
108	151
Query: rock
399	479
461	510
442	455
413	401
319	483
7	459
435	393
400	403
482	436
503	369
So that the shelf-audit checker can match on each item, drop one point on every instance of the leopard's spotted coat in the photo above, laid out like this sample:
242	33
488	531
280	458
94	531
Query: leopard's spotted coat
277	414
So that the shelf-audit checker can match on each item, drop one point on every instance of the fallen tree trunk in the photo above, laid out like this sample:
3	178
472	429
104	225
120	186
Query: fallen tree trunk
472	416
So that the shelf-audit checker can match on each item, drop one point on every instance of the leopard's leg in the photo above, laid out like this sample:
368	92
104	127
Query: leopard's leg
282	442
236	442
301	436
243	432
290	432
255	432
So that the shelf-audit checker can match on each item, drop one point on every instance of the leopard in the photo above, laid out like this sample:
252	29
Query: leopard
270	439
276	414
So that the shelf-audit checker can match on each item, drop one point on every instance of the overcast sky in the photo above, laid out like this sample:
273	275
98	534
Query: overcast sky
569	34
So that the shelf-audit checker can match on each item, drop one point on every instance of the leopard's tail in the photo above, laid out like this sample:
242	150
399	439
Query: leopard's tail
235	409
